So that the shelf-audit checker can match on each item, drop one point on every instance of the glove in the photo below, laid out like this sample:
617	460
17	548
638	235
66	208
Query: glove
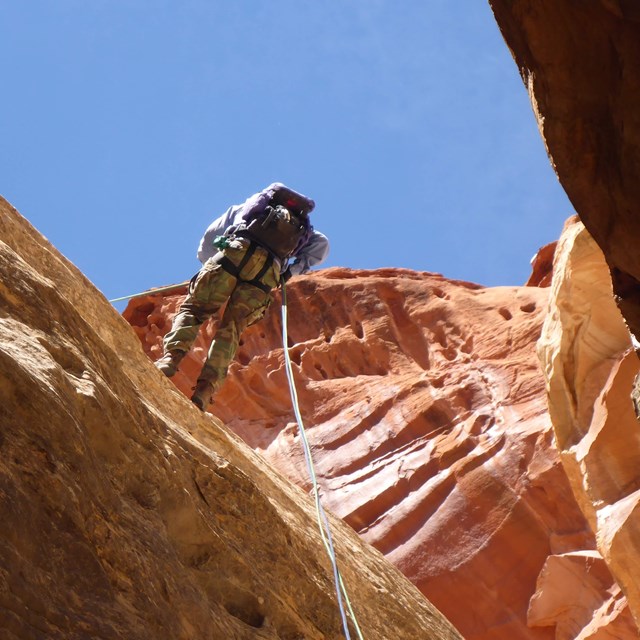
237	243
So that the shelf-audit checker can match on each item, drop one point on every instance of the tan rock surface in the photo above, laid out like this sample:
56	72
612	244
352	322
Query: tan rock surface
426	409
599	612
126	513
579	62
586	351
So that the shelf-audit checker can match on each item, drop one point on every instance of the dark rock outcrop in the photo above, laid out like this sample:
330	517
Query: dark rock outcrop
579	62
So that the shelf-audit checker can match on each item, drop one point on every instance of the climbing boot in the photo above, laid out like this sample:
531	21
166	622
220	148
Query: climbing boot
202	394
169	362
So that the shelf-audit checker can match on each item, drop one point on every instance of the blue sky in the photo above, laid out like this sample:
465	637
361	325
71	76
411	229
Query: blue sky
128	125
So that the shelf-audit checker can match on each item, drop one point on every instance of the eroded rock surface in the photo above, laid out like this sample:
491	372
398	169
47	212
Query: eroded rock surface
127	513
426	409
600	612
590	366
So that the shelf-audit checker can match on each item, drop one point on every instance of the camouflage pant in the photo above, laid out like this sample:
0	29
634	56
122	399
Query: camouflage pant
208	291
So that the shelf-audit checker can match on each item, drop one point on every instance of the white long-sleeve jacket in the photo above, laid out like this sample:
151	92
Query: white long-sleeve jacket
312	253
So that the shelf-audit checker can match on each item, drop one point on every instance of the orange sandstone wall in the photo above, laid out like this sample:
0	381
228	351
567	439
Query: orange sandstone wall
426	410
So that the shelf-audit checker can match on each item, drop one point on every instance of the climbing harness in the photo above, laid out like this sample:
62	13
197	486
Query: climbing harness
323	522
220	242
235	270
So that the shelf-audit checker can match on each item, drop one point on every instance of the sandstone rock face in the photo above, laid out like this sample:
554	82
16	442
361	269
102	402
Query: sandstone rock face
542	266
127	513
579	61
425	406
599	612
590	366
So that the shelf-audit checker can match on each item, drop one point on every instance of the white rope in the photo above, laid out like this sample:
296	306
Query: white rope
323	522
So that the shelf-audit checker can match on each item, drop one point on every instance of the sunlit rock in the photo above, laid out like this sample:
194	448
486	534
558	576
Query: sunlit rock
127	513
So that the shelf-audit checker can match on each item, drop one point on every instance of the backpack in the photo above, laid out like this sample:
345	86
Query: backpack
277	219
279	230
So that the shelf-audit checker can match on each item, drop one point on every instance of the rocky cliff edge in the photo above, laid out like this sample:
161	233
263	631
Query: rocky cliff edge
127	513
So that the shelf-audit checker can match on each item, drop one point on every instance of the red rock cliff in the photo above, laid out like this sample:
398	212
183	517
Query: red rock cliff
425	405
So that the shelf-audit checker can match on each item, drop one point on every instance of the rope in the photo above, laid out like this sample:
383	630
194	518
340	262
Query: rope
323	522
151	292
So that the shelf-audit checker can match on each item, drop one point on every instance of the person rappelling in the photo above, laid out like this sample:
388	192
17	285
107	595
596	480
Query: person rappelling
246	253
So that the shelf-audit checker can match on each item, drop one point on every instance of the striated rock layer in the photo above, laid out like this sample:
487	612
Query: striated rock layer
127	513
426	410
590	365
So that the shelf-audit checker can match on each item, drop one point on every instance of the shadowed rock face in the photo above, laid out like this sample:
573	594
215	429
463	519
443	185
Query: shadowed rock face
426	409
127	513
579	61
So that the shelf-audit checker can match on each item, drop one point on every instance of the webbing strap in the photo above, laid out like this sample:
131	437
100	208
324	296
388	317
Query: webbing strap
234	270
228	266
268	263
231	268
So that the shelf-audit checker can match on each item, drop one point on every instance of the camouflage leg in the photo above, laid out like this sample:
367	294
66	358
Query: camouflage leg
247	305
208	291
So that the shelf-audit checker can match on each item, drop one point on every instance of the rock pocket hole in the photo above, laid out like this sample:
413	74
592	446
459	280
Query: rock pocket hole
321	371
144	494
243	358
528	308
140	316
65	357
245	607
505	313
296	355
358	329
